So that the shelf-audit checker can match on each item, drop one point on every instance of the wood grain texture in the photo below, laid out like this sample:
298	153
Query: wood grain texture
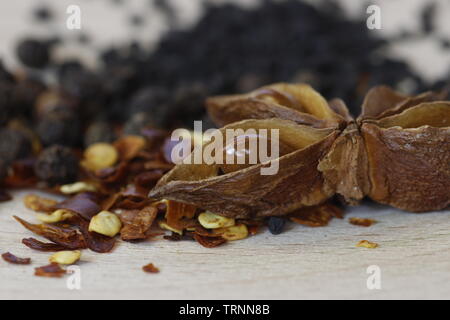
302	263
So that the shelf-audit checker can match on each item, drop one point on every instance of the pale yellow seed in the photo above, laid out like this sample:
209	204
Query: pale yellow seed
77	187
106	223
100	156
165	226
210	220
237	232
367	244
54	217
66	257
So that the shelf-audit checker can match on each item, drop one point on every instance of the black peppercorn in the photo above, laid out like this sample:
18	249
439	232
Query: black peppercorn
60	126
14	145
276	225
99	131
43	14
33	53
152	101
136	123
3	170
57	165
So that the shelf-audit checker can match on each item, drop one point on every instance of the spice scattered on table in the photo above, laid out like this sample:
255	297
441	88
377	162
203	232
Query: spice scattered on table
100	138
367	244
363	222
9	257
52	270
150	268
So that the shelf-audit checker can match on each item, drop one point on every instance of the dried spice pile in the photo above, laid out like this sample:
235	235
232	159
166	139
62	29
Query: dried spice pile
100	137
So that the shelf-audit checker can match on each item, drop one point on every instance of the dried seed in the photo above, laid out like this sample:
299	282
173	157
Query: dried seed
9	257
105	223
363	222
57	216
210	220
276	225
100	156
77	187
367	244
39	204
65	257
237	232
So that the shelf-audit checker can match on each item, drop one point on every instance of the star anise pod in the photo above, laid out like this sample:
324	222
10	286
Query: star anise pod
397	152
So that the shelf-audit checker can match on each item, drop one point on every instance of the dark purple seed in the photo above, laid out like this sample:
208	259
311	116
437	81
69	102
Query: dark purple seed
276	225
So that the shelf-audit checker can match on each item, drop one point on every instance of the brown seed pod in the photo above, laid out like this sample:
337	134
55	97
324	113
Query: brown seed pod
397	153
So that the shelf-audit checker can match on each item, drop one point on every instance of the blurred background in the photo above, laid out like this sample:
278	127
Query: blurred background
144	63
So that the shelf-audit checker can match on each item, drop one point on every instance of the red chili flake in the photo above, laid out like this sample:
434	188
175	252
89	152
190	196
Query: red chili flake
363	222
130	146
50	271
22	174
83	204
67	238
5	196
42	246
176	211
147	180
316	216
137	223
94	241
9	257
150	268
209	242
111	175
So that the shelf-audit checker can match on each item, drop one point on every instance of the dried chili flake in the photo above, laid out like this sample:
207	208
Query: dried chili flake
82	204
42	246
150	268
9	257
52	270
68	238
130	146
316	216
39	204
209	242
363	222
94	241
176	211
136	224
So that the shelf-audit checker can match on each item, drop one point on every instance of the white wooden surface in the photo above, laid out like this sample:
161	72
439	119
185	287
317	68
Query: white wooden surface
302	263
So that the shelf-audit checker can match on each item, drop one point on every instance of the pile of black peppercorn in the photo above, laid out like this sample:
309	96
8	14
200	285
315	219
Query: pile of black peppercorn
229	50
